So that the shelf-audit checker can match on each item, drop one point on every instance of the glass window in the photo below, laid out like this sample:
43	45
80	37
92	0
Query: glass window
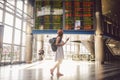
19	14
9	19
17	37
1	1
76	48
12	2
1	15
83	49
84	37
19	11
20	4
23	39
67	48
1	4
6	55
72	49
24	26
25	10
18	23
19	8
9	7
23	54
7	38
16	55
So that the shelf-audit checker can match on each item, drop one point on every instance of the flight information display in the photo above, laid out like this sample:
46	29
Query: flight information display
66	14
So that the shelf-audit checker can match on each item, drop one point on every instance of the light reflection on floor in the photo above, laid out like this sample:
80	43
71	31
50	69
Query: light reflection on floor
72	70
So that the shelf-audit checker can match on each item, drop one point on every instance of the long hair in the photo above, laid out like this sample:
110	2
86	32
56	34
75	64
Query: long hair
60	32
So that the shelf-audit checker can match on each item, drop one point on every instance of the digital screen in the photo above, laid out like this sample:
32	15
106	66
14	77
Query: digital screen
68	14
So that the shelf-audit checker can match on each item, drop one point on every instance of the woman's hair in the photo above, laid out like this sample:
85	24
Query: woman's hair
60	32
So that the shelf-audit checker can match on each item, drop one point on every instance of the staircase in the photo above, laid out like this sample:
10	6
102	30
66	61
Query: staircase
111	50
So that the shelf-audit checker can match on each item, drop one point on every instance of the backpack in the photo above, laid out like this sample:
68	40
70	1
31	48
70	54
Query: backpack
52	41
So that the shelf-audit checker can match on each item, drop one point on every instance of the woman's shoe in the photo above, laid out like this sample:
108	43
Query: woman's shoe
59	74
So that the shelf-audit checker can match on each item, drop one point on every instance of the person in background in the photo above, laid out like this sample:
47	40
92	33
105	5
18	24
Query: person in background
41	54
59	56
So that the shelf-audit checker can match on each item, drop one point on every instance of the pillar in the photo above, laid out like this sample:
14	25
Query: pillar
63	15
28	56
1	41
29	36
99	51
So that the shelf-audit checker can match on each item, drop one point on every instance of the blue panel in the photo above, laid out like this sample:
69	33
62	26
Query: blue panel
65	31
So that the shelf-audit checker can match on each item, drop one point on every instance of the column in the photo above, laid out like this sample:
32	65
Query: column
63	15
29	36
1	40
78	48
99	51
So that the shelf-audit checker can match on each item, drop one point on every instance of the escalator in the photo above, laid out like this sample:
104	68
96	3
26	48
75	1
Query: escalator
112	50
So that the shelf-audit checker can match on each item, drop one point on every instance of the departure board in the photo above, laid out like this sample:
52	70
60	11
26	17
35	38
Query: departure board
66	14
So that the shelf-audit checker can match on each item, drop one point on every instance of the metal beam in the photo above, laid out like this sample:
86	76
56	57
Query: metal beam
65	31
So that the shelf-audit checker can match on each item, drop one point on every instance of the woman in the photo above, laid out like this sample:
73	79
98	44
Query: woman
59	56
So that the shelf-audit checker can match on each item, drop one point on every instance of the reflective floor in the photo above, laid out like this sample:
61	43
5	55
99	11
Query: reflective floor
72	70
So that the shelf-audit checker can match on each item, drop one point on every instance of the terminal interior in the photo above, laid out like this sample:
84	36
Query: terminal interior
93	49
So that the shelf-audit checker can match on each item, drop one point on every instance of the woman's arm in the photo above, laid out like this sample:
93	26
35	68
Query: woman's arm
65	41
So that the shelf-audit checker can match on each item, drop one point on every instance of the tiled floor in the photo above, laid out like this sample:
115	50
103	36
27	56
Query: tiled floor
72	70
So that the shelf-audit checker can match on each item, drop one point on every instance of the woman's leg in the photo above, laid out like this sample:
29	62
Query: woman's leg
57	65
54	67
58	68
